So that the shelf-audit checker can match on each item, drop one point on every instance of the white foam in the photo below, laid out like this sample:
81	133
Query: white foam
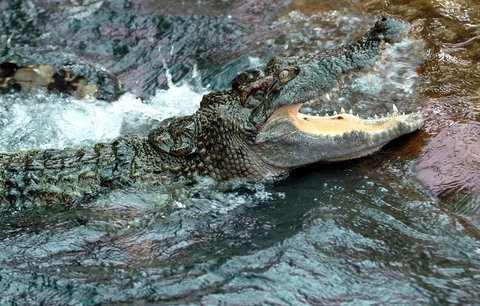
45	120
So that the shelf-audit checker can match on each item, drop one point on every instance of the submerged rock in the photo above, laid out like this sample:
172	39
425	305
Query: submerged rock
27	78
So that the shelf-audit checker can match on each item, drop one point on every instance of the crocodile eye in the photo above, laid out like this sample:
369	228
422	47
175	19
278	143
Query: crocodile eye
284	74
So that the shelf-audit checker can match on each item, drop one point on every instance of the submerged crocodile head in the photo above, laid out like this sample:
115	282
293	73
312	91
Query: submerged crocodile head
255	128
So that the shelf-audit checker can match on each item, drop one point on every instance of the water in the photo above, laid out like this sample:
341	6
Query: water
47	120
399	227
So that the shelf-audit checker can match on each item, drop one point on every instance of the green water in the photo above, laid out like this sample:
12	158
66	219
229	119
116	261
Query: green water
399	227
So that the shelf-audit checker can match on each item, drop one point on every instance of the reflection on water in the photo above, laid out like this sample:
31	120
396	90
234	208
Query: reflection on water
451	162
369	231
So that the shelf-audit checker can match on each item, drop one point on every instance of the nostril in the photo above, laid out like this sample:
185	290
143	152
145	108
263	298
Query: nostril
384	18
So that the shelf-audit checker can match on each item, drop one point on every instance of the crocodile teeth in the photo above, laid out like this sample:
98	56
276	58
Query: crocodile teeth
342	110
327	96
395	109
350	112
327	115
335	113
376	117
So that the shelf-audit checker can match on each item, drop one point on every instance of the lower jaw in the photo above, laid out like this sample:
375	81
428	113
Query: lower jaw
355	155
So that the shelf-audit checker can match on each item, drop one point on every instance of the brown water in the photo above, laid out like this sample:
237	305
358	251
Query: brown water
399	227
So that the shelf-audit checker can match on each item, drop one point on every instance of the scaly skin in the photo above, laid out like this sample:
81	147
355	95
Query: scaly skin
74	175
247	132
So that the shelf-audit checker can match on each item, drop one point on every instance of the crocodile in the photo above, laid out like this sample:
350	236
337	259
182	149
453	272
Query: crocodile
248	132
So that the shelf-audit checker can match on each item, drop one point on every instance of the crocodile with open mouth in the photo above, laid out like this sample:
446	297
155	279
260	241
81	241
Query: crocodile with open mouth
248	132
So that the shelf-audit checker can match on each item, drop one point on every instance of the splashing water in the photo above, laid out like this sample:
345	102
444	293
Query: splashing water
46	120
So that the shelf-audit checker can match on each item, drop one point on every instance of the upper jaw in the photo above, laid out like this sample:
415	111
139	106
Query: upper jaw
316	74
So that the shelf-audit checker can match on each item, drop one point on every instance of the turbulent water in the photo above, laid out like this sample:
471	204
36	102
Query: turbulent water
399	227
47	120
